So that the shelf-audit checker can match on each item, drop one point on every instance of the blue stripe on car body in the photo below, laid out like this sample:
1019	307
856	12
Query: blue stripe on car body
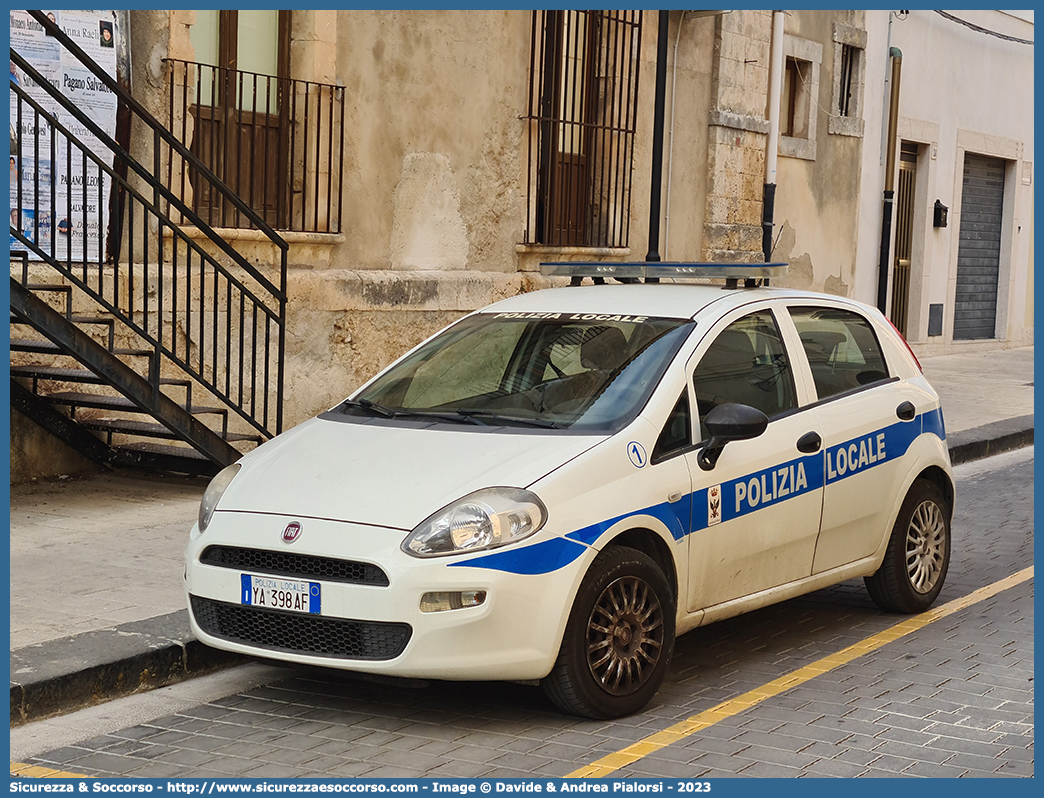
773	485
540	558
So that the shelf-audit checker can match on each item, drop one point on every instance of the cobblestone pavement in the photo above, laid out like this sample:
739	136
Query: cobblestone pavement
954	698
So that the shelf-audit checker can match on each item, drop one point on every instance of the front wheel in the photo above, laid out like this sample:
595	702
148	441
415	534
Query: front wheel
618	639
918	556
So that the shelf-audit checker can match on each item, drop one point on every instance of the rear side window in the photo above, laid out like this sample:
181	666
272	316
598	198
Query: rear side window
841	348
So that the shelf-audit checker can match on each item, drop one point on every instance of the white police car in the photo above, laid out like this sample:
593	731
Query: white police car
557	485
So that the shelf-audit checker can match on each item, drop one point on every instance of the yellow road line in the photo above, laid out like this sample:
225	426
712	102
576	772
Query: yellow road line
686	728
37	772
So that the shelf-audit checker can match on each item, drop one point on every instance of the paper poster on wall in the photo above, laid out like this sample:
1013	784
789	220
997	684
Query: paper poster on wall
78	213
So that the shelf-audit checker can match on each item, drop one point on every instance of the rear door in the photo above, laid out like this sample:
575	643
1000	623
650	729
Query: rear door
868	418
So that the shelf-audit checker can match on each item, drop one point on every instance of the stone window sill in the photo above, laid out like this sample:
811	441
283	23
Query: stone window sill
797	148
248	234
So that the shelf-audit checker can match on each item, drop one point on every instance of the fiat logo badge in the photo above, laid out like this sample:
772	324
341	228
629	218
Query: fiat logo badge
292	532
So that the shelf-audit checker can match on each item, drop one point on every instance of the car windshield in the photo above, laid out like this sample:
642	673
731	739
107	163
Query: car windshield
590	372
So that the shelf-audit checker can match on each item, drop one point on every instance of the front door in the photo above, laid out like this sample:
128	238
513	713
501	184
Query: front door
904	228
979	248
755	516
241	120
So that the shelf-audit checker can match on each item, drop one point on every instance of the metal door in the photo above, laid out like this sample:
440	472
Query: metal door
978	249
904	218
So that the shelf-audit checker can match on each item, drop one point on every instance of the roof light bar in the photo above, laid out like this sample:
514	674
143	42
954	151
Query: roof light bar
664	269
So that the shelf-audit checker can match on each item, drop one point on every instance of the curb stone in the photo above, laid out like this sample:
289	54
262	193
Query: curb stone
70	673
990	439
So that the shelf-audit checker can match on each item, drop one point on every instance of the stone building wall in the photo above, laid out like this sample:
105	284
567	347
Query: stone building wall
738	136
819	172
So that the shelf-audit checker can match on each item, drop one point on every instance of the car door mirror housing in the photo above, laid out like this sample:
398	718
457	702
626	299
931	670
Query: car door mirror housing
729	422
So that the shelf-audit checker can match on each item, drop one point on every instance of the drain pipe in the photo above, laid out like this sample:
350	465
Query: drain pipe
771	155
889	191
670	148
657	142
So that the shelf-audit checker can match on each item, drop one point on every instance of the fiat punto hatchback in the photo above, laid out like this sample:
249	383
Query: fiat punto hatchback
554	487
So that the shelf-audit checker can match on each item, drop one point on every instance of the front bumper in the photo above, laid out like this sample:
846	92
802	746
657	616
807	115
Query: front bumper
374	628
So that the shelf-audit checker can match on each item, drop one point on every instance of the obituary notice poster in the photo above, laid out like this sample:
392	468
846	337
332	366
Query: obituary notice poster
62	205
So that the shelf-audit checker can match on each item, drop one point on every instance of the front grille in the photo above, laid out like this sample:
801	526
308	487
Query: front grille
285	563
300	634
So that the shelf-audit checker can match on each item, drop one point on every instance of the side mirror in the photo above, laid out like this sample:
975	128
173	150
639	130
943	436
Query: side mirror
729	422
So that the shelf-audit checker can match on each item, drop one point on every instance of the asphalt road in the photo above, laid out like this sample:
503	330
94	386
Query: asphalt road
778	693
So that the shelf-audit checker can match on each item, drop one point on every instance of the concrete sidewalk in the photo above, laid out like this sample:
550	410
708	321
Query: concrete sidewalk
97	608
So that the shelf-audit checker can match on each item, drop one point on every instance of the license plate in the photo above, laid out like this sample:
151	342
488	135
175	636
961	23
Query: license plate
279	593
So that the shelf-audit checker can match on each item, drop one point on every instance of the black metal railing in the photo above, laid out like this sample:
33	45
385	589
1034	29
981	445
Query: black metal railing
583	99
279	143
199	303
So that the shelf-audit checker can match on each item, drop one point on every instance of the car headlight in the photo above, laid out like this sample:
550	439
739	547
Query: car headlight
485	519
212	495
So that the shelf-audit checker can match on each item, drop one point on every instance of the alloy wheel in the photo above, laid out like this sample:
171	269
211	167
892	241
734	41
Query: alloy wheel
625	635
925	546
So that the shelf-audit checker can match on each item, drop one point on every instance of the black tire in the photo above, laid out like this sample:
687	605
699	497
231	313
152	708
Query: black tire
918	556
618	639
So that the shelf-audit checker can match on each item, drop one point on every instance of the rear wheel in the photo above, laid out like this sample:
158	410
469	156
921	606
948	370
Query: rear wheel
918	556
618	640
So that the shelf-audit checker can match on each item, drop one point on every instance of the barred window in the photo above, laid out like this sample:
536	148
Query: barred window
582	109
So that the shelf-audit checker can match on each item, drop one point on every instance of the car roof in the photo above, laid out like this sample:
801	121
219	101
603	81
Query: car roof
674	300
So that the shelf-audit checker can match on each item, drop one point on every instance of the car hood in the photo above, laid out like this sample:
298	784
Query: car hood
389	475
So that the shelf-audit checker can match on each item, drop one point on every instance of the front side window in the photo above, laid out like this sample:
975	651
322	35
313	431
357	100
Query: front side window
842	350
560	371
747	364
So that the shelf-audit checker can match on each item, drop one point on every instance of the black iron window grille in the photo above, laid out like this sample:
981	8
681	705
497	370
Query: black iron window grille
849	55
583	91
278	143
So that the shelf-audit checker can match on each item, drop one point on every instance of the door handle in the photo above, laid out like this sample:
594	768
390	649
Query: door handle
906	411
809	443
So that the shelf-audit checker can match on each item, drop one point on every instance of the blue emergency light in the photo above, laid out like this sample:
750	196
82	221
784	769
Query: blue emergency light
654	271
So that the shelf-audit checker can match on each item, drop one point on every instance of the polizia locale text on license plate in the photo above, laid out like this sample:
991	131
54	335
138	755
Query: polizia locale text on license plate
276	593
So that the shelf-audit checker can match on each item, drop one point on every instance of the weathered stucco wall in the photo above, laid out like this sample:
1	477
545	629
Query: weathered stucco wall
434	142
817	198
687	131
36	454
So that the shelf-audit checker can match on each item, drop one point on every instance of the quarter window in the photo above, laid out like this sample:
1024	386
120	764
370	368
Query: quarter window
677	432
747	364
842	349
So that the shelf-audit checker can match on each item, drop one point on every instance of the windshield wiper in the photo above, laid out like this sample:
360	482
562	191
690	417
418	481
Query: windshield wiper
389	412
372	407
492	415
